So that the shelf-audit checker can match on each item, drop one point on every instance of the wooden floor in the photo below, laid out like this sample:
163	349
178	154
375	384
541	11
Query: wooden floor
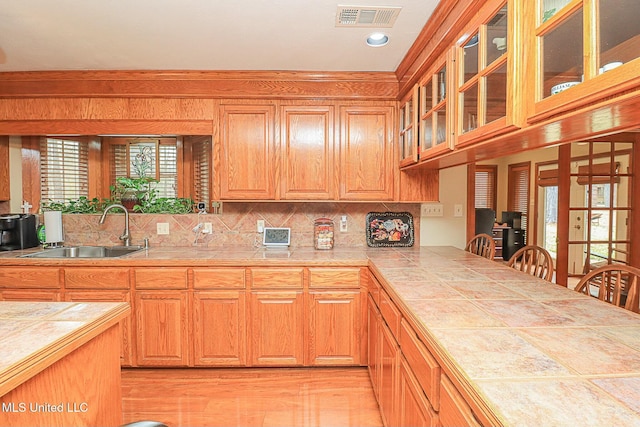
250	397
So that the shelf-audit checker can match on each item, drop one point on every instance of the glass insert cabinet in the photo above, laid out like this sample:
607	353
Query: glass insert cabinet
585	49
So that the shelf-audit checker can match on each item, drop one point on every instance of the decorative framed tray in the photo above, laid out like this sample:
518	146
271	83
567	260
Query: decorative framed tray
387	229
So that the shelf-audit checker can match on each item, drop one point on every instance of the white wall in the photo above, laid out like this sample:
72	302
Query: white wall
448	230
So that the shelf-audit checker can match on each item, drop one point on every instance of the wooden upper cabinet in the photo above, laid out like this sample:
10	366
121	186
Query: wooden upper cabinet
5	193
247	151
586	51
436	109
489	101
307	152
367	161
408	126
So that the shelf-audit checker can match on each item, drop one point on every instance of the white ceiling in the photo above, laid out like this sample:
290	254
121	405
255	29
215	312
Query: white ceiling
273	35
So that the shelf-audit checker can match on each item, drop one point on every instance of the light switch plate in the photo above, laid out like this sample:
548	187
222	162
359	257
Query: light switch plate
457	210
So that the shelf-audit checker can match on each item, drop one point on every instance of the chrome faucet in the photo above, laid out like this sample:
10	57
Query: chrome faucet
126	237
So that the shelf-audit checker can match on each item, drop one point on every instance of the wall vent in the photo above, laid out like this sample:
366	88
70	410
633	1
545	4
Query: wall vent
367	16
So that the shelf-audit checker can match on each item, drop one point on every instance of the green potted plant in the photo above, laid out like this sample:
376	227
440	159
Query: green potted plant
131	191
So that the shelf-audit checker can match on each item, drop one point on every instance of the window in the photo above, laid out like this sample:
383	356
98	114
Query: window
64	165
518	195
486	183
146	157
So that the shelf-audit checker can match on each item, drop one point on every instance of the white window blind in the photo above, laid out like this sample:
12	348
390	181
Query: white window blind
64	168
485	189
518	197
201	171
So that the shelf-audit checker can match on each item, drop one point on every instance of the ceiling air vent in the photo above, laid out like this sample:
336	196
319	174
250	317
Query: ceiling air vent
366	16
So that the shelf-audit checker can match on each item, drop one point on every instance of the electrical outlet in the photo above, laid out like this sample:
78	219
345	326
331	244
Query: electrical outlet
343	224
431	209
162	227
260	225
207	228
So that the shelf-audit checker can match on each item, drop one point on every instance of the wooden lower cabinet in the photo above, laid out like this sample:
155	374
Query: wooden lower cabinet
125	324
162	328
277	328
414	408
334	328
454	410
388	377
374	343
219	328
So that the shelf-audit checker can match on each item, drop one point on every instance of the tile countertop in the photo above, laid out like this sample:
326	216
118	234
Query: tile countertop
34	335
538	354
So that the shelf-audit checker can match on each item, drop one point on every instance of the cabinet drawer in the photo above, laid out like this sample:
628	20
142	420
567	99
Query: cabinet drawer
275	278
423	365
219	278
160	278
454	411
343	278
96	278
390	313
29	277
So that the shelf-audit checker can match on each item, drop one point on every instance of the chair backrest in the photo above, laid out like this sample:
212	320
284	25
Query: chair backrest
533	260
483	245
613	283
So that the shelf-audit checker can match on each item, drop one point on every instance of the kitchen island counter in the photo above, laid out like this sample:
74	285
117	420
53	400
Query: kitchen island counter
59	363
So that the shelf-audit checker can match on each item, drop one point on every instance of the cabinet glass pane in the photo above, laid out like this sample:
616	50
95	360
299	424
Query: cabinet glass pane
550	7
619	32
441	125
496	98
470	108
426	96
427	132
442	85
407	144
562	56
497	36
470	53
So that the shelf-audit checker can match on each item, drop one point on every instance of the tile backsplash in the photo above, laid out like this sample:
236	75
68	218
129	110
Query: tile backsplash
235	226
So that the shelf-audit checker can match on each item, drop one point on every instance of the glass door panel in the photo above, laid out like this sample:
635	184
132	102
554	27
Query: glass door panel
496	98
619	33
562	56
551	7
470	108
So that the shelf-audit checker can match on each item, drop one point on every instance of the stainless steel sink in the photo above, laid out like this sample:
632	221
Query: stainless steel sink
85	252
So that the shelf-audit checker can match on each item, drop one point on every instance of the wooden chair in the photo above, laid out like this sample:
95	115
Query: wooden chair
533	260
482	244
613	283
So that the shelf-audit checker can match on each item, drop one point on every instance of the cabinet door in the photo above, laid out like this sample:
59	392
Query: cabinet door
5	193
413	408
277	328
247	152
125	324
388	377
374	345
162	329
334	328
454	411
367	162
307	152
219	328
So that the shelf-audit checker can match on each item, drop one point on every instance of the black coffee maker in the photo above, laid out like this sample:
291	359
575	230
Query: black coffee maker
18	231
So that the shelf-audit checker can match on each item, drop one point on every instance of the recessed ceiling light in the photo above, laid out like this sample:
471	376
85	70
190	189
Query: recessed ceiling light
377	39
